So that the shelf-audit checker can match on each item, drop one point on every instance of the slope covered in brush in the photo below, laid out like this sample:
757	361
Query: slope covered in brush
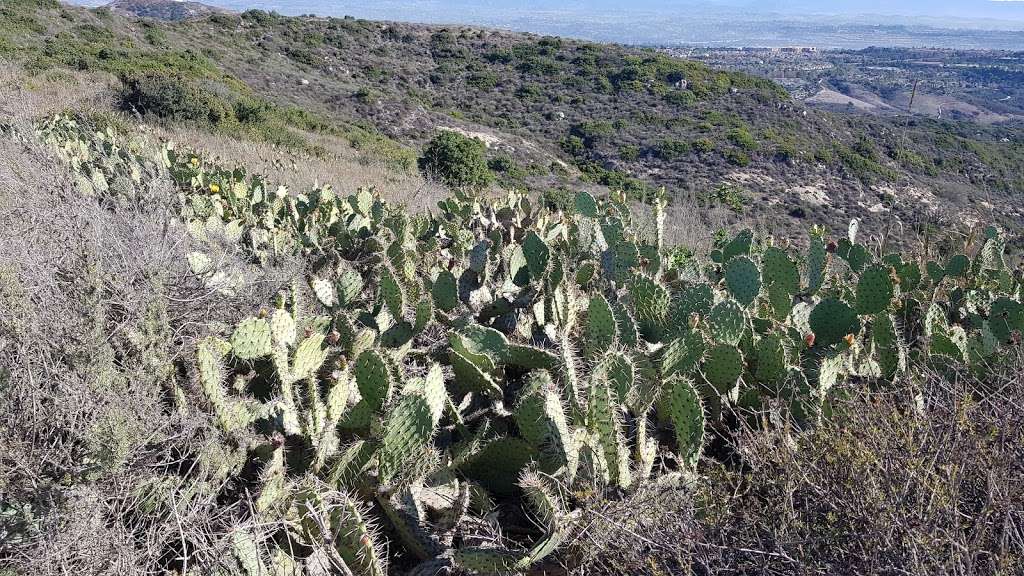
553	112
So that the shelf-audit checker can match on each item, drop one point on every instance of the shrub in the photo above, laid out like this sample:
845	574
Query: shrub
573	146
741	136
702	145
672	149
629	152
483	80
529	92
538	67
260	17
593	131
730	196
458	161
683	98
737	157
176	98
559	199
365	95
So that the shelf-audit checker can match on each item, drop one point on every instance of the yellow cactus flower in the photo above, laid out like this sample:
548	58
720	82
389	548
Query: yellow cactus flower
214	188
194	161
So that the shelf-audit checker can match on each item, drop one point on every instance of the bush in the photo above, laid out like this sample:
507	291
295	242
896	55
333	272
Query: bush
559	199
683	98
629	152
742	137
737	157
483	80
702	145
365	95
172	97
458	161
672	149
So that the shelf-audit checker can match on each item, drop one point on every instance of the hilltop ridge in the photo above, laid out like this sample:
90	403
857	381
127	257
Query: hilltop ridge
171	10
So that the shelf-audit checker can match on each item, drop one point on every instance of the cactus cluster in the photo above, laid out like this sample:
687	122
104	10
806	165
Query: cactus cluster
498	357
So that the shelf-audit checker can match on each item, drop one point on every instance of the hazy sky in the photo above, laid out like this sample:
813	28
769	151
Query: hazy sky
967	9
973	9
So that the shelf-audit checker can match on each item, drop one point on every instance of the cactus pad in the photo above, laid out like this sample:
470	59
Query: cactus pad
282	328
779	270
498	464
727	322
537	255
445	291
324	291
874	290
409	428
831	320
686	411
309	356
586	205
348	287
531	357
603	419
743	279
817	263
1006	317
723	367
601	328
373	378
683	355
650	301
391	292
771	360
251	339
542	422
892	355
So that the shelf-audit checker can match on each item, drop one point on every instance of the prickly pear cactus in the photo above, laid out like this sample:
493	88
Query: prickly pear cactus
450	368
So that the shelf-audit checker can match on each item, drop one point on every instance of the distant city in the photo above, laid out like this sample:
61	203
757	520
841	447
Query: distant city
721	23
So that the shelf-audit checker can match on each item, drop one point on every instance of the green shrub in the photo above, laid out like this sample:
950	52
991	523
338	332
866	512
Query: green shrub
458	161
573	146
629	152
483	80
173	97
559	199
672	149
702	145
529	92
539	67
365	95
737	157
593	131
683	98
444	46
742	137
260	17
730	196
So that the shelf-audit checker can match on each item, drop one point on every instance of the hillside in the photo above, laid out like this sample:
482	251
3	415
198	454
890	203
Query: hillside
245	331
171	10
556	111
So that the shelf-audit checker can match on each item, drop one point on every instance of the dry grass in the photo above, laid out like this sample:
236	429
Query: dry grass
28	97
918	480
894	484
25	96
343	167
98	307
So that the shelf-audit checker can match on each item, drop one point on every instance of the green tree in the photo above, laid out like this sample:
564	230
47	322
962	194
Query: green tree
458	161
